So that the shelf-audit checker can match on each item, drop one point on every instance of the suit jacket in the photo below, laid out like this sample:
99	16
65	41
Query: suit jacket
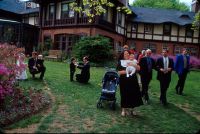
179	64
159	65
31	63
144	67
85	71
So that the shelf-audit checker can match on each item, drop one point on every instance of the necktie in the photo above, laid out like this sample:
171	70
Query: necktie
165	63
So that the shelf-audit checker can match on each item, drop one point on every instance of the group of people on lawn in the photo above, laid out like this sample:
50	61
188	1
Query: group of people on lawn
134	89
134	75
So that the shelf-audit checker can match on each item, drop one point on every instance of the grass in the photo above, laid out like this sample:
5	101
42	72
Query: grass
75	107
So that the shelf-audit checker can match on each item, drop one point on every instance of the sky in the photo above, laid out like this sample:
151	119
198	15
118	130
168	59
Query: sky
188	2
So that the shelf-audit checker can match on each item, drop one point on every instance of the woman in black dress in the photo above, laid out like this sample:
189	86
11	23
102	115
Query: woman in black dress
129	87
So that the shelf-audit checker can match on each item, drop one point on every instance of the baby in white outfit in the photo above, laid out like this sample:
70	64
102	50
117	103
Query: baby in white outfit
130	70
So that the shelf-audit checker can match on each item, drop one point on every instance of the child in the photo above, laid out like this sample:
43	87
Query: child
130	70
72	68
22	75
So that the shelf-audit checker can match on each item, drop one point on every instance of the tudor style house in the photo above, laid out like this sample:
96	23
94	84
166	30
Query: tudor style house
64	26
145	28
161	28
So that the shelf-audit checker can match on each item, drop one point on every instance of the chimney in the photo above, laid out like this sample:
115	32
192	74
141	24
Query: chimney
195	6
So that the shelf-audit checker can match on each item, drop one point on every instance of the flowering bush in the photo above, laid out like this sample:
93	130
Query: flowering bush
194	61
8	68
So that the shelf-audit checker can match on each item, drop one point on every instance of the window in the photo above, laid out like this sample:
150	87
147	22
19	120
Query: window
119	21
150	46
189	31
177	50
66	12
118	47
105	15
192	51
165	46
51	11
167	29
133	45
148	28
134	27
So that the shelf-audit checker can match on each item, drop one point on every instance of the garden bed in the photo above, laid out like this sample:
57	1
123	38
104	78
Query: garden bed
22	104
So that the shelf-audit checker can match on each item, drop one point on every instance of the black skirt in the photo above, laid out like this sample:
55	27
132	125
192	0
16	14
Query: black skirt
130	92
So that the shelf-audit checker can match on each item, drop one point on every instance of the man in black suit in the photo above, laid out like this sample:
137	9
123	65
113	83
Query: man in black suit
36	66
85	71
164	66
146	66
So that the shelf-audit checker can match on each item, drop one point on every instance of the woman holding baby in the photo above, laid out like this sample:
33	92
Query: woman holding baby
129	87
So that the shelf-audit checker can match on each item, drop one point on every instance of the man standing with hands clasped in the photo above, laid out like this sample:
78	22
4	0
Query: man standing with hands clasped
164	66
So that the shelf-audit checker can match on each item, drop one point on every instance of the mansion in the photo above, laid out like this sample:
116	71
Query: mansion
145	28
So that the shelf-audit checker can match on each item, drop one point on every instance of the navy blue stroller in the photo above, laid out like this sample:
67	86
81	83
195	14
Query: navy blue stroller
110	82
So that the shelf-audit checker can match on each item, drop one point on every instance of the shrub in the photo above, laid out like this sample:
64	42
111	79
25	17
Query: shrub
97	48
8	68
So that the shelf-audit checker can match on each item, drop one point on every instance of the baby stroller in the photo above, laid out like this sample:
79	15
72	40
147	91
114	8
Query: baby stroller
110	82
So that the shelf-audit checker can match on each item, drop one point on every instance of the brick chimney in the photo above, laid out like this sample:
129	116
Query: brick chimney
195	6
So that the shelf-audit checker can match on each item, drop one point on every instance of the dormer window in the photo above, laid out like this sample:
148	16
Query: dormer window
167	29
148	28
185	16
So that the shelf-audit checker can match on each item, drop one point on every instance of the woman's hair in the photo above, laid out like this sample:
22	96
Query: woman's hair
122	54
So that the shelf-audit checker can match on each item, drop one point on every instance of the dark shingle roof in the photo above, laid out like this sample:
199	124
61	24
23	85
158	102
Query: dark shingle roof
158	16
16	6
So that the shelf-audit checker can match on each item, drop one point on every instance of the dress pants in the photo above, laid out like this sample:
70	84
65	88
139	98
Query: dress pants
181	82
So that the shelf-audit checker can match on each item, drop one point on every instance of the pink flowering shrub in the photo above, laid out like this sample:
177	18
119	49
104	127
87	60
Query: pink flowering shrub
8	69
194	61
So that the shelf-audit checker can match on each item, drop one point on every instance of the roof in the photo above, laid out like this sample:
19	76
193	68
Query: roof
158	16
16	6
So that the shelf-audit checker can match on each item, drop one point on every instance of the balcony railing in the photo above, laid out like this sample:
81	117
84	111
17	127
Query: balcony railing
78	21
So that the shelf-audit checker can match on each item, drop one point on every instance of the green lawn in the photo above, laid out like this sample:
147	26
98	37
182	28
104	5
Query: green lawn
75	107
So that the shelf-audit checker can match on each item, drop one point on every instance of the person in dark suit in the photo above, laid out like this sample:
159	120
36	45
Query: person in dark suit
72	68
164	66
182	66
85	71
146	65
36	65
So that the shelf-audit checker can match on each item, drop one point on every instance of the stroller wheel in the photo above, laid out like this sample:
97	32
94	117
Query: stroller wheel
99	104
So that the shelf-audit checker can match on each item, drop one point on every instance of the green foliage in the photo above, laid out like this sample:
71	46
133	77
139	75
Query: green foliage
94	8
196	22
96	47
167	4
45	53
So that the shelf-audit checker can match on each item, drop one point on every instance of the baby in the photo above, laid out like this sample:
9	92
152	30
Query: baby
130	70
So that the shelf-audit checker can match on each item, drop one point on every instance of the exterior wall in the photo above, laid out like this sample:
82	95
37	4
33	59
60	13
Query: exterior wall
86	31
171	46
58	11
31	21
110	15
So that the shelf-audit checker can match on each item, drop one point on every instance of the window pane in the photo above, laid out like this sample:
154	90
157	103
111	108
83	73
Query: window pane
65	7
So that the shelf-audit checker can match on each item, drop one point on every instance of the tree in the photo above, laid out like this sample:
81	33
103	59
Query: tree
166	4
94	8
